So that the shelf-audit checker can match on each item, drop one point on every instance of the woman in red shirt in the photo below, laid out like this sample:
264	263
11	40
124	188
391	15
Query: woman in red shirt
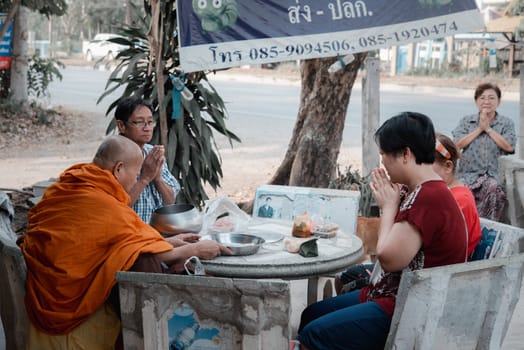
422	227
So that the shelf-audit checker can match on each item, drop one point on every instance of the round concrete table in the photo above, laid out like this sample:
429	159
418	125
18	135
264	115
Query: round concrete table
273	261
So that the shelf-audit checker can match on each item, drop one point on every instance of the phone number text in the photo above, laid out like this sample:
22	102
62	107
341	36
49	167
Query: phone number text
360	44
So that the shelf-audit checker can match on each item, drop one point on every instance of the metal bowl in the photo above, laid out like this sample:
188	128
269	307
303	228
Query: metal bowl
177	218
239	243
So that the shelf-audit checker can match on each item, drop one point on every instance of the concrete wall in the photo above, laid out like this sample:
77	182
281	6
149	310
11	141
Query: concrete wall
511	173
512	237
12	275
462	306
241	313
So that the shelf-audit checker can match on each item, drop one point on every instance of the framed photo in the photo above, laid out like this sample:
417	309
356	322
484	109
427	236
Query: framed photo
322	204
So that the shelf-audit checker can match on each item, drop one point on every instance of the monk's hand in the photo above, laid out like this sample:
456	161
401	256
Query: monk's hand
152	165
210	249
175	241
387	194
189	237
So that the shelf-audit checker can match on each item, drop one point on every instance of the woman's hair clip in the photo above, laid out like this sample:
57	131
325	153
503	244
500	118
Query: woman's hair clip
439	147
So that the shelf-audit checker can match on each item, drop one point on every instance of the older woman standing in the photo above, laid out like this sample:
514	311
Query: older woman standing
484	137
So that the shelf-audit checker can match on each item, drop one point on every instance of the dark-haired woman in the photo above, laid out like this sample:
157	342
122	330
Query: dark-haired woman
422	227
483	137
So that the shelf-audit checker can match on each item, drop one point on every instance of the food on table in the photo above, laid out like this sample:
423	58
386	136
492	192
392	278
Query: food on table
326	231
302	226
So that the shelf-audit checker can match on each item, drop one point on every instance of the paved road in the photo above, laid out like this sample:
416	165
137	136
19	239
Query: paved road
265	108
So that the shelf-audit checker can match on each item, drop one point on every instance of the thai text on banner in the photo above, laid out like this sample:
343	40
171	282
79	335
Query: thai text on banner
216	34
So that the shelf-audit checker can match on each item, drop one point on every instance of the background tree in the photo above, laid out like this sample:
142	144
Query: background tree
103	16
311	158
72	24
515	8
20	60
82	21
145	70
315	144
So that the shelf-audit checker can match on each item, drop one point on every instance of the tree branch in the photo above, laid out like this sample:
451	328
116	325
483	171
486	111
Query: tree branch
10	16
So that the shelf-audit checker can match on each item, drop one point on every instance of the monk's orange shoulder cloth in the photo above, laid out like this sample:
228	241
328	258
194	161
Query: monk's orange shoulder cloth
79	235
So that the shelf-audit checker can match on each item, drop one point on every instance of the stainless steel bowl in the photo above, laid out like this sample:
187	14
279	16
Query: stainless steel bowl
239	243
177	218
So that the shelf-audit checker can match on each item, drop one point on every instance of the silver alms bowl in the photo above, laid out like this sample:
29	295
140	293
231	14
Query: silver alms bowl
239	243
177	218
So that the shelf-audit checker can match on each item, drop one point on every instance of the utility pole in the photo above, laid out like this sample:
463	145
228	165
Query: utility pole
370	114
128	12
520	154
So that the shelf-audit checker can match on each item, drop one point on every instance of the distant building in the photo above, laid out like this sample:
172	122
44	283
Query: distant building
464	51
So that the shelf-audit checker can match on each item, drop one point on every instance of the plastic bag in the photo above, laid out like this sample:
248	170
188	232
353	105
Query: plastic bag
221	214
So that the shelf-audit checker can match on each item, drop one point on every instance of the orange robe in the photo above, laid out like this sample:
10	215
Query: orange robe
79	235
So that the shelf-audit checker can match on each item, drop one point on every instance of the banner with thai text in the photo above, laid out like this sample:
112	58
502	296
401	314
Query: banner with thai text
216	34
5	44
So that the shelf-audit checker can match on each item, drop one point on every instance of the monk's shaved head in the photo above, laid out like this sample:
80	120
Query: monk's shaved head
122	157
116	149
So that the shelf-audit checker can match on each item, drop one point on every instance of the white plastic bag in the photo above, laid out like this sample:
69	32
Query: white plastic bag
221	214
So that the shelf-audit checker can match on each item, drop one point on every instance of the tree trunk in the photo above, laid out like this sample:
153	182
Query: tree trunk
20	60
154	36
312	153
9	17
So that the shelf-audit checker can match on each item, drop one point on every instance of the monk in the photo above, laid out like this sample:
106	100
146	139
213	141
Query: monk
79	235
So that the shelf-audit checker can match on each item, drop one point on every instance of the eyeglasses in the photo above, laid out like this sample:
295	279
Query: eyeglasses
143	124
488	98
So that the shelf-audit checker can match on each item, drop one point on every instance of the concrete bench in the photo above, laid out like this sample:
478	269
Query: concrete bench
461	306
512	239
159	311
12	273
511	174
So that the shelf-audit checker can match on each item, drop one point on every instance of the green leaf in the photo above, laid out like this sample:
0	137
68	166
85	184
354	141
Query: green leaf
192	153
